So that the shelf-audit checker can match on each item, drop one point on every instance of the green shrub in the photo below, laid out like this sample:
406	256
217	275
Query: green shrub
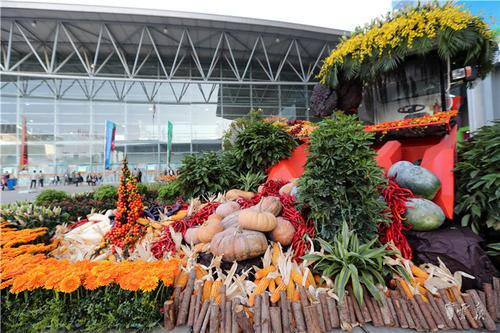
106	192
341	180
47	197
259	146
82	204
205	174
238	125
478	179
169	193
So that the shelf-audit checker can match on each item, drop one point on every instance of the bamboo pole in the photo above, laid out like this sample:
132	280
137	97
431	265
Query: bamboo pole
275	314
333	312
244	323
299	317
234	321
168	315
285	319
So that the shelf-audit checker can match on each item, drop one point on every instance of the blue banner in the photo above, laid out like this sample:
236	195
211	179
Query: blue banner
110	143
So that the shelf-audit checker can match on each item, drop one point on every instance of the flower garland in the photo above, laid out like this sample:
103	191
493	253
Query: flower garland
423	28
434	119
126	230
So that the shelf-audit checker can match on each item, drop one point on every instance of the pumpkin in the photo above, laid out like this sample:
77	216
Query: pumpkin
208	229
227	208
284	232
238	244
269	204
237	194
231	220
286	189
256	219
191	236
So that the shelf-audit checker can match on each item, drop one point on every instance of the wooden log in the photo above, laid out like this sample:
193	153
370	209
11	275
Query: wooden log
243	322
275	314
299	317
214	318
198	289
198	323
304	300
444	313
486	319
168	315
234	321
311	319
257	310
470	319
350	308
228	317
393	312
496	288
436	312
386	312
473	308
290	315
426	311
333	312
458	318
403	323
319	315
222	292
192	306
285	316
265	321
182	315
324	307
491	305
364	309
408	313
377	322
357	310
376	306
177	297
482	295
343	312
419	316
206	321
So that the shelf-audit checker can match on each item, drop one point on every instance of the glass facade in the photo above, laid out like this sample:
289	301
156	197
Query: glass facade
65	119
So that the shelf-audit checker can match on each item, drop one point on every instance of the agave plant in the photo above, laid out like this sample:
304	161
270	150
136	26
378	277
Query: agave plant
349	261
29	215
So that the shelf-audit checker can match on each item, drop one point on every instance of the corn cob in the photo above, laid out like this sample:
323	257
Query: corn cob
272	286
296	277
207	288
275	296
419	272
181	279
310	280
215	292
276	254
200	272
290	289
264	271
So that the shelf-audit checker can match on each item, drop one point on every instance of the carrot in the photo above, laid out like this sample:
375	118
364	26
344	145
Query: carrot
264	271
419	272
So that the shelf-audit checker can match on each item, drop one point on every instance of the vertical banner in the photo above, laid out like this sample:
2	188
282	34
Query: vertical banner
170	130
23	161
110	143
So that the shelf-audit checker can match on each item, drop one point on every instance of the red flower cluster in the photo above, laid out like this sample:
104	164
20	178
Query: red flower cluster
126	230
438	118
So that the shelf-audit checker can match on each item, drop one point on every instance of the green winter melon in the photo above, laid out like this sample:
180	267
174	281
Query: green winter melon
419	180
423	214
397	167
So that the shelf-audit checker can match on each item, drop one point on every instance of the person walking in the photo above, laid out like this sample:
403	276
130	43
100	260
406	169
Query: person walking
139	176
33	179
40	178
4	181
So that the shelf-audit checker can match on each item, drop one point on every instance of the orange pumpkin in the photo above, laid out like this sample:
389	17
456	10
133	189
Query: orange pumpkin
191	236
256	219
208	229
238	244
269	204
227	208
237	194
284	232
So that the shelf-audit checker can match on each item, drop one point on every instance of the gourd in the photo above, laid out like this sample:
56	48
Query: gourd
286	189
227	208
256	219
208	229
238	244
231	220
237	194
191	236
284	232
269	204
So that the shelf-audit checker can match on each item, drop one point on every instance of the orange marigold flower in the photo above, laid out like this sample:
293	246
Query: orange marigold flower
70	284
149	283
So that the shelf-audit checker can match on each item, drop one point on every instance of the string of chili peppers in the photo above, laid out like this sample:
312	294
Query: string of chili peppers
395	198
167	244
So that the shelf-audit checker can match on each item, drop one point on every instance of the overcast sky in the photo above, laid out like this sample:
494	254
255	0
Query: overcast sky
339	14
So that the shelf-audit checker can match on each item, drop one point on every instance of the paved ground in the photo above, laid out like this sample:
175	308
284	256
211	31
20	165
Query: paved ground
24	193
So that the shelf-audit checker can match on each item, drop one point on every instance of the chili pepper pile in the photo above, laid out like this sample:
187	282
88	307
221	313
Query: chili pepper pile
302	227
166	243
269	188
396	197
